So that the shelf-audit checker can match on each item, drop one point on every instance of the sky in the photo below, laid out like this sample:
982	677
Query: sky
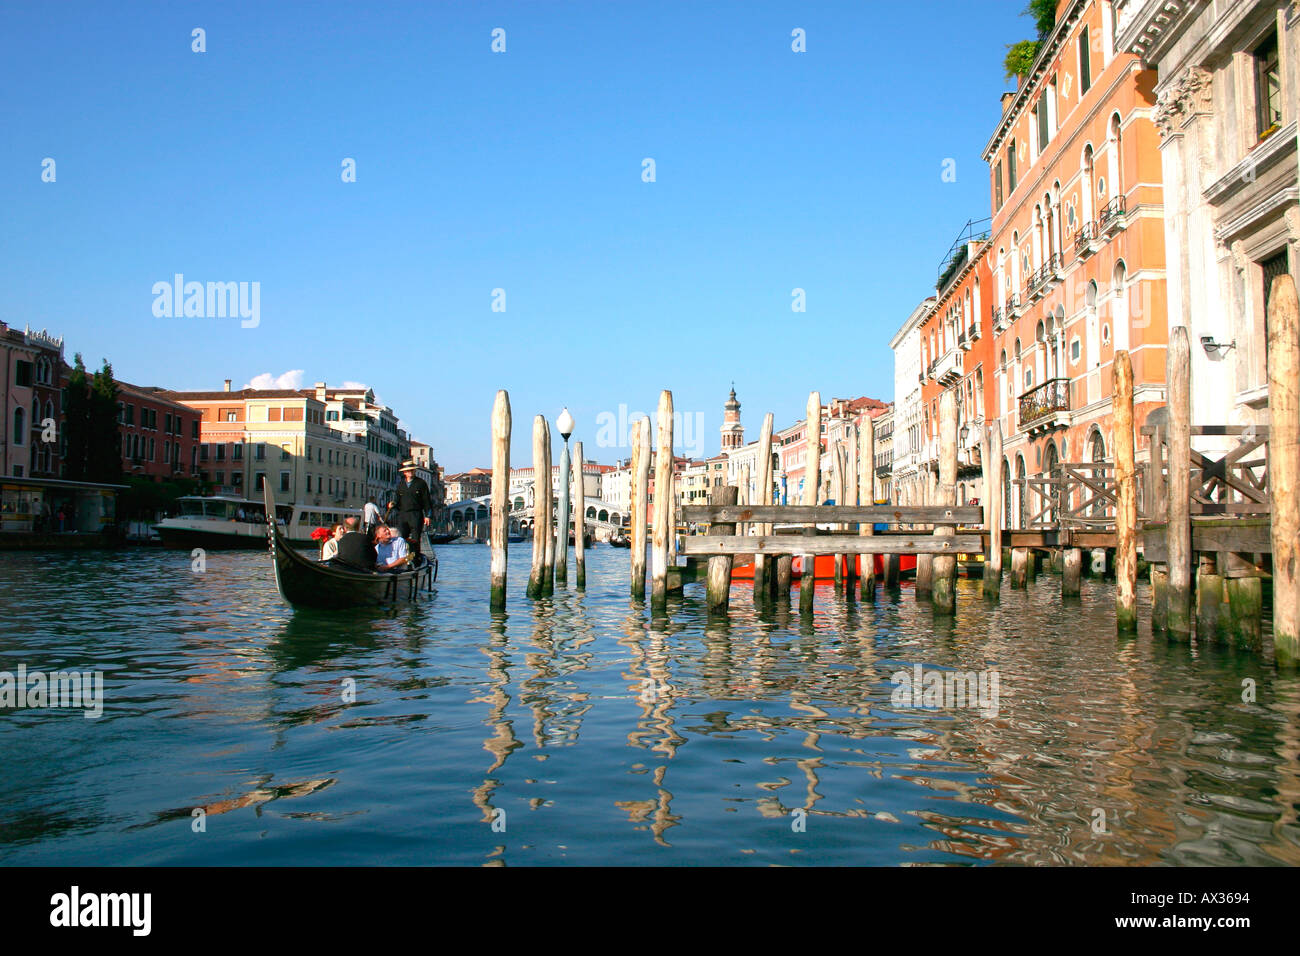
475	171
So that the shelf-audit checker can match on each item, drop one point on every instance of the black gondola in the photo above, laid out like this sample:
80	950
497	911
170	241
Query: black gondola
304	582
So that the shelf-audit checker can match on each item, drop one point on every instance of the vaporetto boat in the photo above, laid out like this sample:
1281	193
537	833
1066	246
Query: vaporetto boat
223	521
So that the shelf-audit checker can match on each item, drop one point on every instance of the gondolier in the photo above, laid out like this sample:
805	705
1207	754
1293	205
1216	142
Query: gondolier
413	505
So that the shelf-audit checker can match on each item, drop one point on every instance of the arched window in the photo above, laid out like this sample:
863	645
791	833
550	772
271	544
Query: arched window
1036	240
1119	311
20	426
1015	262
1085	186
1114	166
1023	517
1008	519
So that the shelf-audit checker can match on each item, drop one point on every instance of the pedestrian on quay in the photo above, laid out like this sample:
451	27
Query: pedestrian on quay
370	516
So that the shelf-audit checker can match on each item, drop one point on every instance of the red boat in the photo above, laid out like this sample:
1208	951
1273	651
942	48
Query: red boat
824	567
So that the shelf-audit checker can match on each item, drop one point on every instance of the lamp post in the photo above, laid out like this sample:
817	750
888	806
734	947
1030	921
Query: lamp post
565	425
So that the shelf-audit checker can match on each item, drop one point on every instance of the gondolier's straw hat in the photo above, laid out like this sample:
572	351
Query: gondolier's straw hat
409	465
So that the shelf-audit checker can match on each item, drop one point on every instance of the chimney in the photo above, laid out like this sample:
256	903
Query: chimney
320	391
1007	97
227	385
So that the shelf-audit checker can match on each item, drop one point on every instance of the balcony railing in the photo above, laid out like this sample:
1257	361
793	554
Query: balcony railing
997	320
973	332
1085	240
1112	217
1013	306
1048	399
949	366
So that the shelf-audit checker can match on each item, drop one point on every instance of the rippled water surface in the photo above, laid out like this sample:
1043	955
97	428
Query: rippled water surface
590	733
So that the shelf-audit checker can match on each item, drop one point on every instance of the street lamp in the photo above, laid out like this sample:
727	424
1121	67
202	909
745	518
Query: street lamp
963	434
565	425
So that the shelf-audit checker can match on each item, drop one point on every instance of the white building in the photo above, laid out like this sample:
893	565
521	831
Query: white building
907	444
1227	82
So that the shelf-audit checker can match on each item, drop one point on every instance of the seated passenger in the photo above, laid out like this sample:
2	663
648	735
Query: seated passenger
355	552
392	552
330	549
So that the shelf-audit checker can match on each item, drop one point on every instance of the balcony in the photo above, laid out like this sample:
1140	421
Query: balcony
973	332
1045	407
999	320
1111	219
1014	307
1085	240
948	369
1047	276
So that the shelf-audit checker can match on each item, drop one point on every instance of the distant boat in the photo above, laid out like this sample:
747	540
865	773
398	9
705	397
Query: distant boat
224	521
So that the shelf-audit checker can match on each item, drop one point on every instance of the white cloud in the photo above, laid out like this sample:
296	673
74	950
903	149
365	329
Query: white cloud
354	386
290	379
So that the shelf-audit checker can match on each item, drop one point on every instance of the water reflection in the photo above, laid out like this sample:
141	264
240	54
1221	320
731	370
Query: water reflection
584	728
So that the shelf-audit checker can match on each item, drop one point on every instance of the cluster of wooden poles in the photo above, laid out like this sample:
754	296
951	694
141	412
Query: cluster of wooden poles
1218	607
1176	603
548	539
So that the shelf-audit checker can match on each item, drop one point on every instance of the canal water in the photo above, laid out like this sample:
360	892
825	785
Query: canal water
579	730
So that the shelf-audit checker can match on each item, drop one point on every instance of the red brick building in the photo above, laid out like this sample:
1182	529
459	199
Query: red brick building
160	437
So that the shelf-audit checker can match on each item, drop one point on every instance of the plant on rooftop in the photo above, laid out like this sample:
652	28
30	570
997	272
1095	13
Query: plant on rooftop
1020	56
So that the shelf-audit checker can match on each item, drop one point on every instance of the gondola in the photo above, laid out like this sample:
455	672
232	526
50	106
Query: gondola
442	537
304	582
620	540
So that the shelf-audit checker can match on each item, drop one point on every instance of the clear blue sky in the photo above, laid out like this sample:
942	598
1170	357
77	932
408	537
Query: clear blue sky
476	171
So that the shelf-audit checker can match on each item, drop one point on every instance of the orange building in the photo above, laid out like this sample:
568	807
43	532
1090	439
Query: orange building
957	352
1077	247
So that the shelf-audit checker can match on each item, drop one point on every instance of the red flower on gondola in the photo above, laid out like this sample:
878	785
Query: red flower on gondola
320	534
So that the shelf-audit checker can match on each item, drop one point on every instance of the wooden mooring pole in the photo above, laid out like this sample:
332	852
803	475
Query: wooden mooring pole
992	584
500	508
867	496
1178	532
762	568
838	491
579	498
640	493
944	593
1211	626
548	565
664	531
925	562
1284	466
1019	568
1071	572
535	589
718	589
811	485
1125	494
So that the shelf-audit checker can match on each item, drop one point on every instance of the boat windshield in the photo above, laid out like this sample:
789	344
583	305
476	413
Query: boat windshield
191	508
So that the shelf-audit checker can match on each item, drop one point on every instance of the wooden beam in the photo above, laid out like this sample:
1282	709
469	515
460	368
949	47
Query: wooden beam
539	509
811	487
663	523
1178	532
1284	466
867	498
718	589
640	491
837	514
1126	483
762	568
500	506
579	498
944	588
701	545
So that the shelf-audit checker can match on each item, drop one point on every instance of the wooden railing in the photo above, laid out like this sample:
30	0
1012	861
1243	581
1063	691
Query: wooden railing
1235	483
